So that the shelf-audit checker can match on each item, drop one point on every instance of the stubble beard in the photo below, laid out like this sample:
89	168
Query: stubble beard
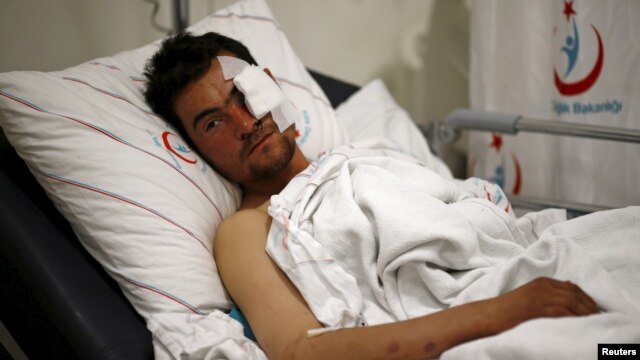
277	157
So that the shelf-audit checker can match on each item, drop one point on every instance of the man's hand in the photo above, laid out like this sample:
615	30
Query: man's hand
543	297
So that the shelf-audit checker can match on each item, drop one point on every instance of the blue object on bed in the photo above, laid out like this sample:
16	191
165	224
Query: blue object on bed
239	316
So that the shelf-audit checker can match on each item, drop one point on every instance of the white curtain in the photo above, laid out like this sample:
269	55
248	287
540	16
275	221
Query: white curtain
568	61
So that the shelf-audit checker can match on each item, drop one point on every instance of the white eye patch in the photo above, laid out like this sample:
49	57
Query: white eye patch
262	95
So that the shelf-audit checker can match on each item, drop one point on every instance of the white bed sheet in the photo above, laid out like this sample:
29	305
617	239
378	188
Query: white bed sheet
369	239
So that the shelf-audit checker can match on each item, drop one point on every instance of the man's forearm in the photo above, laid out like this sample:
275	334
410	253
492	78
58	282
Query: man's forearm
431	335
424	337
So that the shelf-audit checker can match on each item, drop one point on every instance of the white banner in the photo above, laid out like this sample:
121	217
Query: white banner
569	61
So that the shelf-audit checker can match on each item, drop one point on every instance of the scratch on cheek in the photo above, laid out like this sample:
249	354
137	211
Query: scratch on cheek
393	347
429	348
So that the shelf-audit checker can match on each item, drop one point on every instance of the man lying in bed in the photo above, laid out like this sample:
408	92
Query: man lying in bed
188	88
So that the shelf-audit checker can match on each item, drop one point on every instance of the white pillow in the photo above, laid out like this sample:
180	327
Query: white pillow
141	203
373	113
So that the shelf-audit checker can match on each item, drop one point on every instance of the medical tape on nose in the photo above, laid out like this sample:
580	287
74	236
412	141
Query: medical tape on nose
261	94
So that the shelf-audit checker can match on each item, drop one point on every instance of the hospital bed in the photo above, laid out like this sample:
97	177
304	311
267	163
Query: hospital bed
57	301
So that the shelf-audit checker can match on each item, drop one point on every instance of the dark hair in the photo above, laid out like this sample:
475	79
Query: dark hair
184	58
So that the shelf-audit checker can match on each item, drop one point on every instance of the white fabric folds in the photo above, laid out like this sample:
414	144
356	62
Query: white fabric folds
368	237
192	336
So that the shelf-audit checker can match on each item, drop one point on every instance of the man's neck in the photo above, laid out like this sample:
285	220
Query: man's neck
258	192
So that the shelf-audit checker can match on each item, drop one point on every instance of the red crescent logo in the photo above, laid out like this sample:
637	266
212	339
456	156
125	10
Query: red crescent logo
167	145
582	85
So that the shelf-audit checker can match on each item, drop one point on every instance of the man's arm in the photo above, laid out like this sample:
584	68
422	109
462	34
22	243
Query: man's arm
280	318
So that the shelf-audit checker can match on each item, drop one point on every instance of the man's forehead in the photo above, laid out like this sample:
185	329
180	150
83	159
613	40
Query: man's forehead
216	75
213	81
210	89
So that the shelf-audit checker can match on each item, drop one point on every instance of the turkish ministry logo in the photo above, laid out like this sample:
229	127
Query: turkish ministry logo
174	144
572	50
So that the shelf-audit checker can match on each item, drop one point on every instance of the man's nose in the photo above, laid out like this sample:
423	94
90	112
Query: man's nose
244	121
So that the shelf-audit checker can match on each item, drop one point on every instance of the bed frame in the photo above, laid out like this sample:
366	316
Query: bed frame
56	300
460	120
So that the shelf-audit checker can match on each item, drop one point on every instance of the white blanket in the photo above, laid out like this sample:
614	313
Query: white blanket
370	237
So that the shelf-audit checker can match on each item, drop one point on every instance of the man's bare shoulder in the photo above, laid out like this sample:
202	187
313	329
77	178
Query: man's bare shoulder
244	227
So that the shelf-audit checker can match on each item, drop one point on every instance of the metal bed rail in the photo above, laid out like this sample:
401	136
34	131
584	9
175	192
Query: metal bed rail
449	130
512	124
536	203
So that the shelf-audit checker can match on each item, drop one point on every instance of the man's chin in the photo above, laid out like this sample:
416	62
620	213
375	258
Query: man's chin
276	158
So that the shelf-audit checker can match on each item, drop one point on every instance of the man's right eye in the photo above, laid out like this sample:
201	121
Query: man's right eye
211	124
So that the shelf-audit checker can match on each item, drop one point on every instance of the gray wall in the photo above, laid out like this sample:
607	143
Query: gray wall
418	47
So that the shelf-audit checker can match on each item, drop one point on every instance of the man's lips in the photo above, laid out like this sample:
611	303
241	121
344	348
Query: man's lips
260	142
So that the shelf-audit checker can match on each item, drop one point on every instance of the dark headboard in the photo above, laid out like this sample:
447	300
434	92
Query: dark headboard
336	90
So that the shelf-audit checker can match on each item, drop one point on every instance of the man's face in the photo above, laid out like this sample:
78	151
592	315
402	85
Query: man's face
242	149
